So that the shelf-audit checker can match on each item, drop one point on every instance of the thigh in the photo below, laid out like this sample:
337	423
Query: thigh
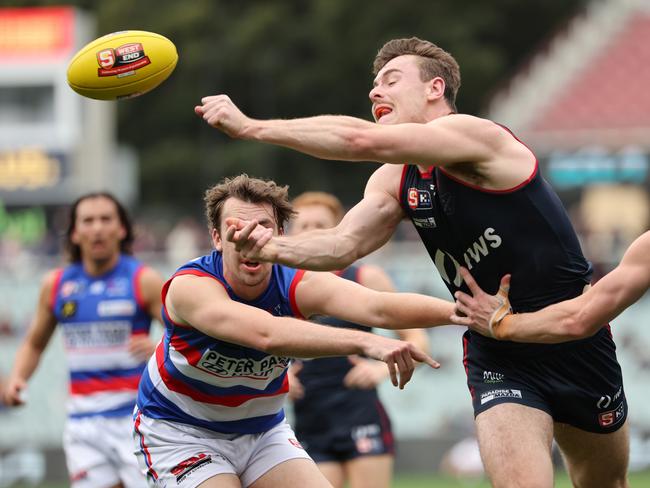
117	433
294	473
221	481
595	459
176	455
88	464
370	471
271	449
515	443
334	473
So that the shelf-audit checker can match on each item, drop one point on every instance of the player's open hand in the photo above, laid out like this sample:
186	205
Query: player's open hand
249	238
221	113
480	311
400	358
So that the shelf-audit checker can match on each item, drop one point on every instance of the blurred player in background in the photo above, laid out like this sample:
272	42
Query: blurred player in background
339	418
104	300
581	317
475	195
210	402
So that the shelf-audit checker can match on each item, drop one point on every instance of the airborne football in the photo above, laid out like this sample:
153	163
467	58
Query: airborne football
122	65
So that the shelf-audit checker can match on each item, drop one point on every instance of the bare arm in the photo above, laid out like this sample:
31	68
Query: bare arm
203	303
29	353
367	373
328	294
365	228
375	278
151	284
443	141
572	319
141	346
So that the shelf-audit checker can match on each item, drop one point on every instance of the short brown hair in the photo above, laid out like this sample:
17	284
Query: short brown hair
327	200
434	61
72	250
247	189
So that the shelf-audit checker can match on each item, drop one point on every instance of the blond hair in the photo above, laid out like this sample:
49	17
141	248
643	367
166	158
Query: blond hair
434	62
327	200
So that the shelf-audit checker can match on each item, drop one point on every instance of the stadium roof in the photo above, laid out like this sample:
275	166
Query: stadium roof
590	85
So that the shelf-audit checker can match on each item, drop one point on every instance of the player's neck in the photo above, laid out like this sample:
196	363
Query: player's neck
98	267
243	290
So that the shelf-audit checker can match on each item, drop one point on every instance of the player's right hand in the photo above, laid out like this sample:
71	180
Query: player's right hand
400	357
221	113
14	393
250	238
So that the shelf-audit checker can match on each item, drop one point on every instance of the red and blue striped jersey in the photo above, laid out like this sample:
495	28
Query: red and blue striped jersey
99	315
203	381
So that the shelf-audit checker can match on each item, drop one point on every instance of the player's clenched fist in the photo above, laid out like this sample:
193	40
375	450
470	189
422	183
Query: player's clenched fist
221	113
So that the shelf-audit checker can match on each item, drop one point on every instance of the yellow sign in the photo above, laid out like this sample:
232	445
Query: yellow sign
28	169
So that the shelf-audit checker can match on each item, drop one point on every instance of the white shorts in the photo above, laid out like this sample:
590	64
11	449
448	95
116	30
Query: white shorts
173	454
99	453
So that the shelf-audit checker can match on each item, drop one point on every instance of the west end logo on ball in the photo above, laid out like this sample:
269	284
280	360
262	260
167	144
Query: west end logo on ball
122	61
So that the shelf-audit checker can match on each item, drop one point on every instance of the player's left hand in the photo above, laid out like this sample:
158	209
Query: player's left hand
480	311
250	239
221	113
365	374
141	347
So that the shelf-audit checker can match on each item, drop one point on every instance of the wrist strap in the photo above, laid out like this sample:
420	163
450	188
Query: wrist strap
501	312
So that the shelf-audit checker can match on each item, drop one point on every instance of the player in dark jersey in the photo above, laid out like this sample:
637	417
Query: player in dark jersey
578	318
356	447
104	301
475	195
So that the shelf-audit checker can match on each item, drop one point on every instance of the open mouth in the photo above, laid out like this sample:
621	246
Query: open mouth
381	111
251	266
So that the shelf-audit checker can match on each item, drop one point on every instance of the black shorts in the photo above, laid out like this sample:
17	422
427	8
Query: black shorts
578	383
356	428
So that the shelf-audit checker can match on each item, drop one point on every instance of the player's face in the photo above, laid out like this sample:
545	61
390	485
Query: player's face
237	270
311	217
398	94
97	229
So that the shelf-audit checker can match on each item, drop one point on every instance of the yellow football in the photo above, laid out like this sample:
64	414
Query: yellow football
122	65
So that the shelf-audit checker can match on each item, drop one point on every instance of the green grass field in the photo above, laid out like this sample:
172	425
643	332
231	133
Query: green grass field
637	480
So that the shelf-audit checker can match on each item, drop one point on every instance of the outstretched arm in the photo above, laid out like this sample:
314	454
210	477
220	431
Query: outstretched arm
572	319
365	228
328	294
443	141
367	373
204	304
29	353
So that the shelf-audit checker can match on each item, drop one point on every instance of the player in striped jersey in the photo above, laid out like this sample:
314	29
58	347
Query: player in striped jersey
210	402
104	301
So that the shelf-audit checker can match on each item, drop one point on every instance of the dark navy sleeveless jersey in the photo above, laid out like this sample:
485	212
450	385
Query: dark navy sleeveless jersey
524	231
328	373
